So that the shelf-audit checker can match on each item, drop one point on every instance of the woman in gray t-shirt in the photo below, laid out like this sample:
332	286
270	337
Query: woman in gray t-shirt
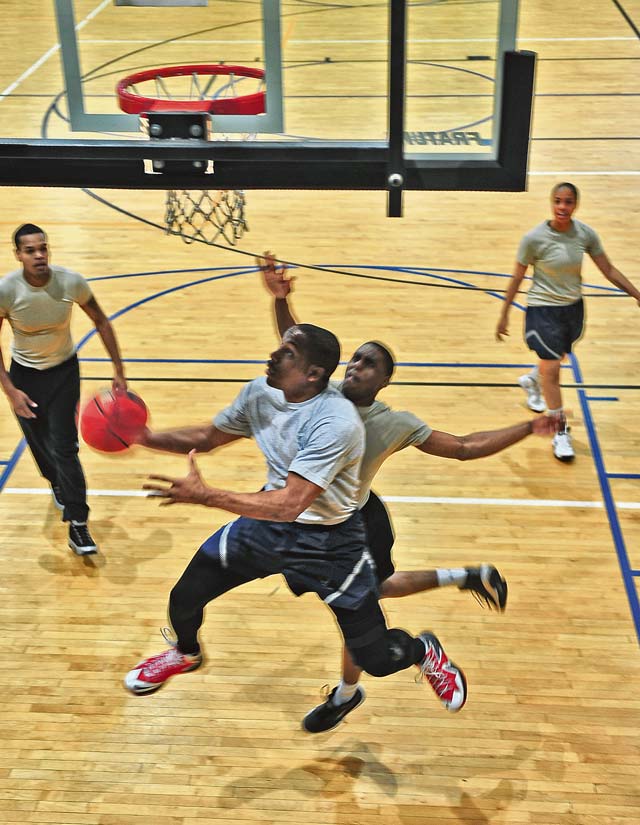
555	313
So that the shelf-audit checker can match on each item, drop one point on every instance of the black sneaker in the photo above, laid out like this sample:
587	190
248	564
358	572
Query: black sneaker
327	715
80	540
487	585
56	494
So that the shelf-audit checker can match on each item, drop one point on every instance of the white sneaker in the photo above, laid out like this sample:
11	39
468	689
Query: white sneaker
562	446
535	400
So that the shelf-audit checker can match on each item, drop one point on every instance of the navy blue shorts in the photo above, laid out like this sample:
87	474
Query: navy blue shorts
330	560
380	535
551	331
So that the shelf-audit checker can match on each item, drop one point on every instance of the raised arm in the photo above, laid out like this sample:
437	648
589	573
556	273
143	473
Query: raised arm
615	276
280	285
482	444
108	336
284	504
502	328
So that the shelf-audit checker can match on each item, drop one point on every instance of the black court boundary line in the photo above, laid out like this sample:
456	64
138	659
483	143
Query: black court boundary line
622	11
187	380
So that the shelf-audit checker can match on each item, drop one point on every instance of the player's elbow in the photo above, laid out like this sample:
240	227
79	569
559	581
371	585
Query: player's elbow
293	506
464	450
290	511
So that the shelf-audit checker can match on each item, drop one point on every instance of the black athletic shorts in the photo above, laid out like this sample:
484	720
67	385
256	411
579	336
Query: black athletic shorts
330	560
551	331
380	535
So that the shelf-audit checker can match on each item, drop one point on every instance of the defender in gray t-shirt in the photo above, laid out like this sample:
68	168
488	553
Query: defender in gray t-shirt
387	431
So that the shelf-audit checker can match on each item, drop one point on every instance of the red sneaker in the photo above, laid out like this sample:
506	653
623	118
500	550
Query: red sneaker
152	673
445	678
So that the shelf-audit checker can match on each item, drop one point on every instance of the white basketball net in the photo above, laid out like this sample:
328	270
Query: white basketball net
203	215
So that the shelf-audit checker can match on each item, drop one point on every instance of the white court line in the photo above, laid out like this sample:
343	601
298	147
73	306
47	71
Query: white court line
35	66
510	502
500	502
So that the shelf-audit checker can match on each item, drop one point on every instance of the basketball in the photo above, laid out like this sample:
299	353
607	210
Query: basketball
110	421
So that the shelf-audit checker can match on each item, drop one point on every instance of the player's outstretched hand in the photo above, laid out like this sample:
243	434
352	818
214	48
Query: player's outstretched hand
188	490
275	277
547	425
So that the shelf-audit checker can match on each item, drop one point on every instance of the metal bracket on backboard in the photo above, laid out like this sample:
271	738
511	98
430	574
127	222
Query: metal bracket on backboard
178	126
272	122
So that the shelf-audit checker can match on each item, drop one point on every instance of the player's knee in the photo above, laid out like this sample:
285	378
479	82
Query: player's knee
393	652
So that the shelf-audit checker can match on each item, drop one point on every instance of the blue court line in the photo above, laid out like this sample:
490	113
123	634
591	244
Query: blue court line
104	359
10	465
164	292
601	398
426	270
612	514
425	364
165	272
623	475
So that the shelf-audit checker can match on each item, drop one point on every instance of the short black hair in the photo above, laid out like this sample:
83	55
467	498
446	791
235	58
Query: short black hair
320	347
566	185
388	360
26	229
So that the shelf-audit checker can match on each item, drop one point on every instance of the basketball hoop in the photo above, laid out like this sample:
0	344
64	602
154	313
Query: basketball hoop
205	88
196	95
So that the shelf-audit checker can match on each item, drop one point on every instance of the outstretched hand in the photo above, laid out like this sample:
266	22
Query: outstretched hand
275	277
188	490
547	425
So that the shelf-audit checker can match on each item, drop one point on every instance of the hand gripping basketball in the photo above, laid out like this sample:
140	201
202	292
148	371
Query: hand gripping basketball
110	422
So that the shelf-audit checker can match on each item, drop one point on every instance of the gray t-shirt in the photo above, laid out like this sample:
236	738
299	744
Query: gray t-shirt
387	432
40	316
321	439
556	258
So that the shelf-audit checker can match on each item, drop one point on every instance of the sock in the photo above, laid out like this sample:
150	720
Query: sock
535	374
456	575
559	413
344	692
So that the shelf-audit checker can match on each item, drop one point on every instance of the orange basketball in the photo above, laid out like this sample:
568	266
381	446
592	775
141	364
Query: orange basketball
110	421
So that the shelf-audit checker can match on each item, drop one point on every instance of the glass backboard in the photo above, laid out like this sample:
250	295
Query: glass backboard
400	85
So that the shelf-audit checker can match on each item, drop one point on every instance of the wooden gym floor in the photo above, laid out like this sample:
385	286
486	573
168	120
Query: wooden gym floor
549	735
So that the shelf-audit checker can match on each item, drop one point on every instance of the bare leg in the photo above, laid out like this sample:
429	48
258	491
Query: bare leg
350	671
550	379
406	583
